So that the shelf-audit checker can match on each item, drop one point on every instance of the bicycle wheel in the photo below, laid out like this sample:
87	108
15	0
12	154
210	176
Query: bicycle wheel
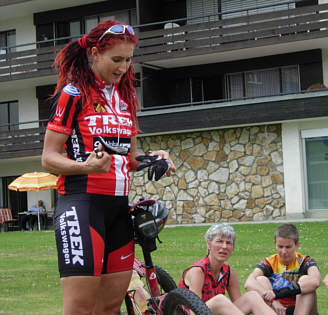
175	301
165	283
128	305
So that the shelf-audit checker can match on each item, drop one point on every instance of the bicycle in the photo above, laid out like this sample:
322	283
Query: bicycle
160	293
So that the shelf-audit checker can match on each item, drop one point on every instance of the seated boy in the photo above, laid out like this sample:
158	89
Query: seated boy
288	279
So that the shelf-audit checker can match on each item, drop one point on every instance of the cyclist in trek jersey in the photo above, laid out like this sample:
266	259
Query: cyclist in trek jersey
287	280
94	108
211	277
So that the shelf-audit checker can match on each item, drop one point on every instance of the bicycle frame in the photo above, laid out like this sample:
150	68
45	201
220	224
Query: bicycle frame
153	301
148	271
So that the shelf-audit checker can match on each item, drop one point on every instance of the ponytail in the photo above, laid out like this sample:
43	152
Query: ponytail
72	64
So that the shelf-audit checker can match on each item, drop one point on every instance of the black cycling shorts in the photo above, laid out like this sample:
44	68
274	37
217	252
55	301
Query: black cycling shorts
94	234
290	310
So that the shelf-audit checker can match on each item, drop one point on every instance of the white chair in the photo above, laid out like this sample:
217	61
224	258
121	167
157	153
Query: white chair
171	25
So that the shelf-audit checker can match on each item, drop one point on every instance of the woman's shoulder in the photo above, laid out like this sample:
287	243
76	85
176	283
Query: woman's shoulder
71	90
202	262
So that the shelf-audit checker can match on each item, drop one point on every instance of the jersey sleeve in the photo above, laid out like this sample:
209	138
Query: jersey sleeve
65	108
307	263
266	268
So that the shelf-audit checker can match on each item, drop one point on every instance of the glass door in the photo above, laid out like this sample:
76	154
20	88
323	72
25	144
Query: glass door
316	151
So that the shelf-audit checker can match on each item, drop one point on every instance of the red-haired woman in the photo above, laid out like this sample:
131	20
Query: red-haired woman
94	107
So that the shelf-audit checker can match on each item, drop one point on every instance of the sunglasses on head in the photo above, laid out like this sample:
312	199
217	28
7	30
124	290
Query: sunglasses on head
118	29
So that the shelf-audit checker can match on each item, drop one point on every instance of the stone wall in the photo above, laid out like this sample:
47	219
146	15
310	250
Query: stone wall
223	175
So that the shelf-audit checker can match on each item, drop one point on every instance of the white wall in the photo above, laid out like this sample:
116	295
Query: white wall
13	167
27	104
292	147
25	30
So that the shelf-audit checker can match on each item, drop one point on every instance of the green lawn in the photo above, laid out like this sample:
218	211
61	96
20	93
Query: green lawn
29	282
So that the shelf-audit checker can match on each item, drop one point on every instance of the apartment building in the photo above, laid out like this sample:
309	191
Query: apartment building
234	89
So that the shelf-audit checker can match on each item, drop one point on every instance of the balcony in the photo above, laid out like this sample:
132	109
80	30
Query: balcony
21	142
164	47
24	141
230	113
306	26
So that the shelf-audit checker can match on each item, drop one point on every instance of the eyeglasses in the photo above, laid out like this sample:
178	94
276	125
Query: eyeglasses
118	29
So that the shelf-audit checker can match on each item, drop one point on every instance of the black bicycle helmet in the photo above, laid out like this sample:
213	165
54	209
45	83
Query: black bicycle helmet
160	214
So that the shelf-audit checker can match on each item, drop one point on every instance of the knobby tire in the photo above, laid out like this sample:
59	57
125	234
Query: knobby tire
165	282
176	299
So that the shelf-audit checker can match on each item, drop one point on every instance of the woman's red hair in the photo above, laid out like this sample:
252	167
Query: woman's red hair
72	64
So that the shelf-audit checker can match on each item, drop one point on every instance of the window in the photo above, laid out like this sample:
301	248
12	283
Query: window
127	17
205	89
235	8
316	151
7	39
9	116
259	83
264	82
199	11
74	28
45	32
68	29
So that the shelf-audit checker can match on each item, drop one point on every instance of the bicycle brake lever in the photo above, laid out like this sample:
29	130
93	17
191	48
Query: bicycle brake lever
111	149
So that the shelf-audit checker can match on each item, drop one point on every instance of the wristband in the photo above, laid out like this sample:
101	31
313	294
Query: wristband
289	291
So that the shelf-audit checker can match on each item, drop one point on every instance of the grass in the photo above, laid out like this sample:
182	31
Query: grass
29	281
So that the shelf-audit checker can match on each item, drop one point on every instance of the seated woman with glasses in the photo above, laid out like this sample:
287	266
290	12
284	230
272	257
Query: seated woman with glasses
211	277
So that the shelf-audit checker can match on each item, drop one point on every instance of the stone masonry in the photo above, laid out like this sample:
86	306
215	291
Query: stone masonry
226	175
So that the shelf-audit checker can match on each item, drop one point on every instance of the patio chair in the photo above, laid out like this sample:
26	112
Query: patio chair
7	222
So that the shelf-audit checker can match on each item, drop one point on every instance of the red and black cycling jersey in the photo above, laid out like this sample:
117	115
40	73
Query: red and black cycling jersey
211	286
111	120
281	276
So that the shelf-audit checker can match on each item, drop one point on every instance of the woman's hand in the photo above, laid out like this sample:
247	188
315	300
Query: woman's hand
268	296
278	308
98	162
165	155
55	162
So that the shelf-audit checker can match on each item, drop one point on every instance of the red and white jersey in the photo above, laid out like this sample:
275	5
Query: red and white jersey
112	121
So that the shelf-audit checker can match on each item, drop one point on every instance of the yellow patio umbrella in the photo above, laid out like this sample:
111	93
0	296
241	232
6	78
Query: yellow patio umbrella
34	181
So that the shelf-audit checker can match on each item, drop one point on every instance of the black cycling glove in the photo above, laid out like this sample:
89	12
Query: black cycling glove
156	165
289	291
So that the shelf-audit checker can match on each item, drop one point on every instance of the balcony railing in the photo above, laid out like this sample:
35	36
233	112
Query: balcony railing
27	63
226	34
16	142
156	42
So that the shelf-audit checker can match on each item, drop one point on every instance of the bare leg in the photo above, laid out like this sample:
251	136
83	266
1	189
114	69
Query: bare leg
306	304
221	305
79	294
264	282
111	292
252	302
